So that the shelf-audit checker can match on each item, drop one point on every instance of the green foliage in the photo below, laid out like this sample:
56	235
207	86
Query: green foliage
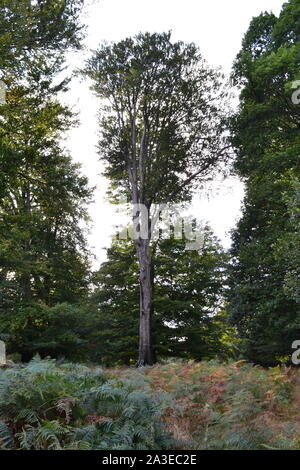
288	246
42	250
28	26
44	260
162	134
115	307
177	405
45	406
156	134
58	331
189	298
187	319
6	436
265	133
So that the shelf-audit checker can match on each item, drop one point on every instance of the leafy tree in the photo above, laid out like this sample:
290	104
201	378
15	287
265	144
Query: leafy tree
43	255
161	134
187	301
266	137
44	201
115	308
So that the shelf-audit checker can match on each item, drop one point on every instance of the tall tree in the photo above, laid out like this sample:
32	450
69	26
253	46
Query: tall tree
43	256
267	140
162	134
45	197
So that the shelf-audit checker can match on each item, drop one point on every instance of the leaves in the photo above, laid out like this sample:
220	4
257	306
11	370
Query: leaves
265	132
187	319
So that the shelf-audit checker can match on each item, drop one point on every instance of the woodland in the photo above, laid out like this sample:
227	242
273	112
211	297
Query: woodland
161	347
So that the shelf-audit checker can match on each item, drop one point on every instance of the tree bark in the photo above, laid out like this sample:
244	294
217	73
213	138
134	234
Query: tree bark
146	356
142	242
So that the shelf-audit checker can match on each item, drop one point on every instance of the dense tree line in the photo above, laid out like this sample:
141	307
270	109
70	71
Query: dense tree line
165	131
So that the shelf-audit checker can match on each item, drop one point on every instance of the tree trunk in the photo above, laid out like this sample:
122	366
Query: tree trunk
154	357
145	341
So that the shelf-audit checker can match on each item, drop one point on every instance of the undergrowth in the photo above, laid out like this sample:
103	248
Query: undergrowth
49	406
178	405
232	407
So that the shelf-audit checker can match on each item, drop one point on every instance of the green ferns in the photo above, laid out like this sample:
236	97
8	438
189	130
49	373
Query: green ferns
176	405
47	406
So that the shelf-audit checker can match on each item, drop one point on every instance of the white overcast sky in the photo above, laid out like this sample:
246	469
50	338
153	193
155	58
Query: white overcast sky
217	27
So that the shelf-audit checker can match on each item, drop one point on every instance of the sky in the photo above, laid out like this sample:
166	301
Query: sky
217	28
